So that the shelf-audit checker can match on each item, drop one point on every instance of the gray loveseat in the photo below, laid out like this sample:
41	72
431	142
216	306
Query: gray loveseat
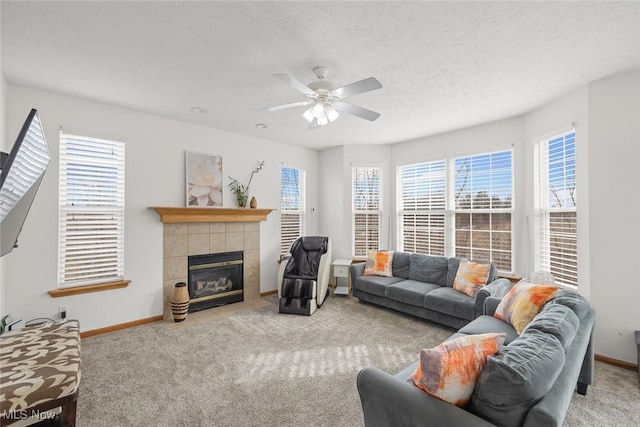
529	382
422	286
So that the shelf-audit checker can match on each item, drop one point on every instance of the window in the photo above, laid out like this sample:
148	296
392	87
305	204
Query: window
91	211
422	208
461	207
292	206
556	233
482	207
367	209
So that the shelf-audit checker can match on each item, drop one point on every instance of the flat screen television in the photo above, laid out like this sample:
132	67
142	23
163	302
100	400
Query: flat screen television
22	172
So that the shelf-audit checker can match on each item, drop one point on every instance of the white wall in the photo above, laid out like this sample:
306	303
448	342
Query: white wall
614	213
155	149
332	200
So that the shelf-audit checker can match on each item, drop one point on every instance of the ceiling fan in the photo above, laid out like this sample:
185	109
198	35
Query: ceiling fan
326	101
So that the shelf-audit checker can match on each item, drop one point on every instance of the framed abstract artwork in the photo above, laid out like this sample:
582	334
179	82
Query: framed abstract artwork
204	180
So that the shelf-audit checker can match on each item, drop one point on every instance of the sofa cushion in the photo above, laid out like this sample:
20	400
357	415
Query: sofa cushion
523	301
573	300
375	285
449	301
470	277
449	371
486	324
557	320
427	268
378	264
409	292
400	266
452	270
517	377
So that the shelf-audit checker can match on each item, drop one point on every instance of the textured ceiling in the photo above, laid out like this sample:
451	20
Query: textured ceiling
443	65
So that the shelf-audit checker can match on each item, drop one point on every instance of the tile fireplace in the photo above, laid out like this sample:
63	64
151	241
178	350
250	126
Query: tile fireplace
192	232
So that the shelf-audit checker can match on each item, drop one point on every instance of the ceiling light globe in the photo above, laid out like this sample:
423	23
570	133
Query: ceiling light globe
318	110
308	115
332	114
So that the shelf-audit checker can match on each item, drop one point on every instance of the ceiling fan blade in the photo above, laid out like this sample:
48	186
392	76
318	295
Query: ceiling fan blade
296	84
283	106
358	87
345	107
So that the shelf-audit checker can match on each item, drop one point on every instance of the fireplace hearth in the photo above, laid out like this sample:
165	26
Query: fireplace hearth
215	279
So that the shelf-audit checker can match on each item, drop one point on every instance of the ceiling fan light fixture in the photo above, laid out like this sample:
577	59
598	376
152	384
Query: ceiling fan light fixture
331	113
323	120
308	115
327	102
318	110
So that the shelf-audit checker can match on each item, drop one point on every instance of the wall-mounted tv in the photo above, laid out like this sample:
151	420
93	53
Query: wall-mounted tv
22	172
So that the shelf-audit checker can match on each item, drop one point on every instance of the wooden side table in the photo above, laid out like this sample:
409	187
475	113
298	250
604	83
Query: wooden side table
341	273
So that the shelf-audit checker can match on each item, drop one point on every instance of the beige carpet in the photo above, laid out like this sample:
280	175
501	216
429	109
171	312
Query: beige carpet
250	366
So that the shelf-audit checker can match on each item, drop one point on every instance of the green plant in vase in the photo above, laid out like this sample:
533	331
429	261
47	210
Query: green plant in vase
242	191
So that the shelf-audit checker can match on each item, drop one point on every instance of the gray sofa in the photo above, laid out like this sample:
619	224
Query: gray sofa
529	382
422	286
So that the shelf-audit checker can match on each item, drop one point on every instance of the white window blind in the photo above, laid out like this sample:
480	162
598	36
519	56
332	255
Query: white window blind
556	231
482	207
292	206
91	211
422	204
366	209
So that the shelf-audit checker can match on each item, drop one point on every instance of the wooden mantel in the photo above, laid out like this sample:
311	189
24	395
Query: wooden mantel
211	214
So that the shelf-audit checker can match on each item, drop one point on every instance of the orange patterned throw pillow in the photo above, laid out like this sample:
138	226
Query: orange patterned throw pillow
379	264
470	277
450	370
523	302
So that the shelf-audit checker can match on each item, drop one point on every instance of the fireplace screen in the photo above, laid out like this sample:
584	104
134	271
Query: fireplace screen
215	279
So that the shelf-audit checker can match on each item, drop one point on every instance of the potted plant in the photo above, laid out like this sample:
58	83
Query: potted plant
242	191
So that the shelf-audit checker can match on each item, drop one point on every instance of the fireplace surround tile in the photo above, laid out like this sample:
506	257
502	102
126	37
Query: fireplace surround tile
199	228
235	227
251	240
175	267
175	228
234	241
199	244
217	242
251	226
217	227
175	245
252	258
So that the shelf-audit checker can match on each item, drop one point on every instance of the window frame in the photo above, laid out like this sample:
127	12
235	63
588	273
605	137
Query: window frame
91	190
424	220
439	219
493	212
301	211
369	244
543	211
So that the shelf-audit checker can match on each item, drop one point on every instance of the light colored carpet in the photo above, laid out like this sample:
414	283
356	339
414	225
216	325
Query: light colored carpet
255	367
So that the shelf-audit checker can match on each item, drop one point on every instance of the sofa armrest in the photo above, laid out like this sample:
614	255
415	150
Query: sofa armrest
390	401
356	270
490	305
498	289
